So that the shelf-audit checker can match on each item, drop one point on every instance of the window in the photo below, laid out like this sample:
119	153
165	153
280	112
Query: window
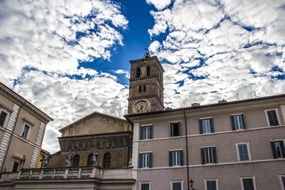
237	122
145	186
140	88
206	125
3	117
15	166
89	159
208	155
107	160
243	151
146	132
145	160
148	71
138	73
211	184
26	131
174	129
278	149
75	162
176	158
272	117
144	88
282	180
176	185
248	183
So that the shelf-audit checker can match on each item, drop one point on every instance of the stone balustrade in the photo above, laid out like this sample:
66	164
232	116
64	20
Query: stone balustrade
67	173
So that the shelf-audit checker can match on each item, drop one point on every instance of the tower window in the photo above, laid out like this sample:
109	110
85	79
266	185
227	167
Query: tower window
138	73
148	71
107	160
140	88
144	88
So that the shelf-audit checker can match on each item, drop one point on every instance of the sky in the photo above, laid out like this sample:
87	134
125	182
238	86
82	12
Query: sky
71	58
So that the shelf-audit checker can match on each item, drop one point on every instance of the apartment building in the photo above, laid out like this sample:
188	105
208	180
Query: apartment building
22	127
236	145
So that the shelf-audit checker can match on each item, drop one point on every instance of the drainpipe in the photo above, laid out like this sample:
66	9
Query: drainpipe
187	153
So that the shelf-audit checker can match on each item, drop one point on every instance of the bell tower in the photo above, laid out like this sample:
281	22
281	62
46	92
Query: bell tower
146	85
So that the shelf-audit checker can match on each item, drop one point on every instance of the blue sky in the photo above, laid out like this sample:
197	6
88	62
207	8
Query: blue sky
71	58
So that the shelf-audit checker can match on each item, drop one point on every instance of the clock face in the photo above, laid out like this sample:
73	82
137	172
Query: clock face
141	106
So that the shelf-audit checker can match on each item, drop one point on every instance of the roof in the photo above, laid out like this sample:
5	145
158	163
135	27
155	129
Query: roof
10	94
198	106
89	115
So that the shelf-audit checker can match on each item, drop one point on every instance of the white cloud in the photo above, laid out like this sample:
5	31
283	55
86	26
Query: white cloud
41	44
159	4
219	49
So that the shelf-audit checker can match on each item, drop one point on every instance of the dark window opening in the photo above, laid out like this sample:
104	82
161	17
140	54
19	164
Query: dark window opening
175	129
144	88
140	88
107	160
25	131
278	149
75	162
148	71
176	186
3	116
248	184
211	185
89	160
145	186
15	167
138	73
208	155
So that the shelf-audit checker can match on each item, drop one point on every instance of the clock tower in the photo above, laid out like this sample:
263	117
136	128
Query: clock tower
146	85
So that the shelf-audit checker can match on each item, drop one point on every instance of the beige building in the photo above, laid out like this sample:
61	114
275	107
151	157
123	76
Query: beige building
236	145
107	136
22	127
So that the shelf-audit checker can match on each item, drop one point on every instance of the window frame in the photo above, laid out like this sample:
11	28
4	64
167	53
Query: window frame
278	140
211	122
6	118
150	133
29	130
281	182
176	181
248	151
144	182
181	156
277	115
148	165
215	160
234	127
211	179
248	177
172	131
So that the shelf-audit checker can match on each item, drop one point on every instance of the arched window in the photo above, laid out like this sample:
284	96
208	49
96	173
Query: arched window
76	159
138	73
89	159
148	71
107	160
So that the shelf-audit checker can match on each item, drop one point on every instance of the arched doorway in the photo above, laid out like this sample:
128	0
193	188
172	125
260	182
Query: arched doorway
107	160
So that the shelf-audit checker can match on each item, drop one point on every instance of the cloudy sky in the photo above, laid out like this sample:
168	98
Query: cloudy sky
71	58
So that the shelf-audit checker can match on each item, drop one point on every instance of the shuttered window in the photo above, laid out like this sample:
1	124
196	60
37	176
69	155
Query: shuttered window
174	129
208	155
145	160
248	184
237	122
206	125
243	151
146	132
272	117
176	158
278	149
